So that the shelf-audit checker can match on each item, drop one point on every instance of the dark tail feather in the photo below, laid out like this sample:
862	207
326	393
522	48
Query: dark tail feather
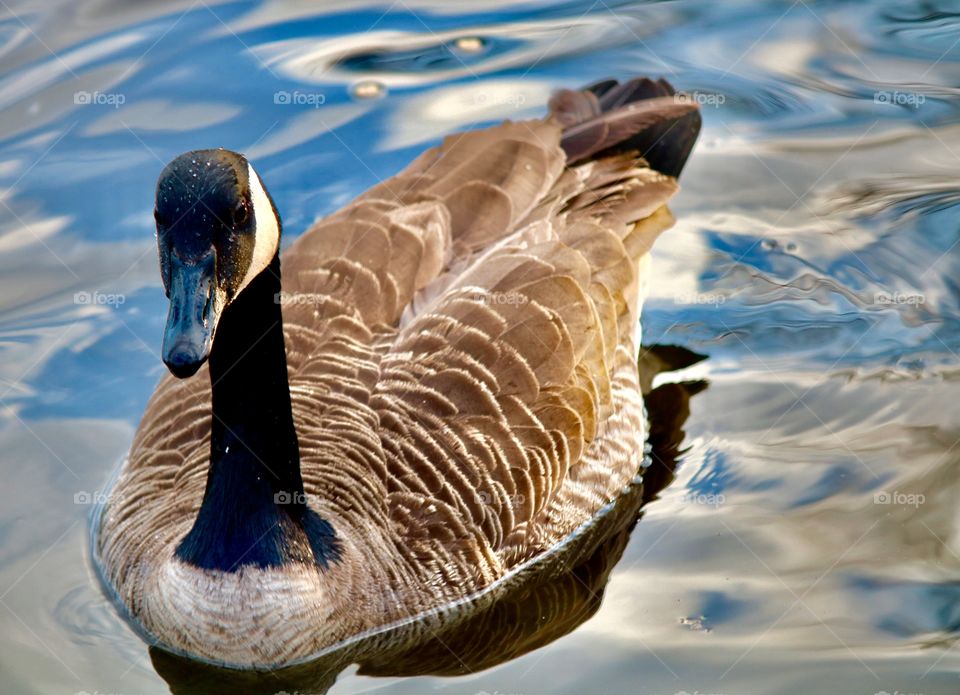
637	116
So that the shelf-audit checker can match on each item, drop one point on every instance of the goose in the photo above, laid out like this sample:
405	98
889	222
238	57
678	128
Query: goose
526	614
438	392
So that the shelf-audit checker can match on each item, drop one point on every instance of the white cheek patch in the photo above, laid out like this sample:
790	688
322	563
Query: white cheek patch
266	230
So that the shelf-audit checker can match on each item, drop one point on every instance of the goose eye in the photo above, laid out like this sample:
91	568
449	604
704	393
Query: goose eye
240	214
157	217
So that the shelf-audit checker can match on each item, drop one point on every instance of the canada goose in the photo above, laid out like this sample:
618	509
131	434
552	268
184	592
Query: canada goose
441	391
527	613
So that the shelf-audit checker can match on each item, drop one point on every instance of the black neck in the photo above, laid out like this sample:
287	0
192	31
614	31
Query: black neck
254	510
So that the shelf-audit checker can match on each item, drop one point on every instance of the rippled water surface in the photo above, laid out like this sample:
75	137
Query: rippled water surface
809	542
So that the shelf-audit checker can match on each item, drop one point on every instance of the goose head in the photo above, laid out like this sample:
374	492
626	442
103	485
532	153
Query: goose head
217	229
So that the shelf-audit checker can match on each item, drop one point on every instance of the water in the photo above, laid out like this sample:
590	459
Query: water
809	542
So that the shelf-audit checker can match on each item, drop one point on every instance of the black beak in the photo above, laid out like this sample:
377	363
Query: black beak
192	319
